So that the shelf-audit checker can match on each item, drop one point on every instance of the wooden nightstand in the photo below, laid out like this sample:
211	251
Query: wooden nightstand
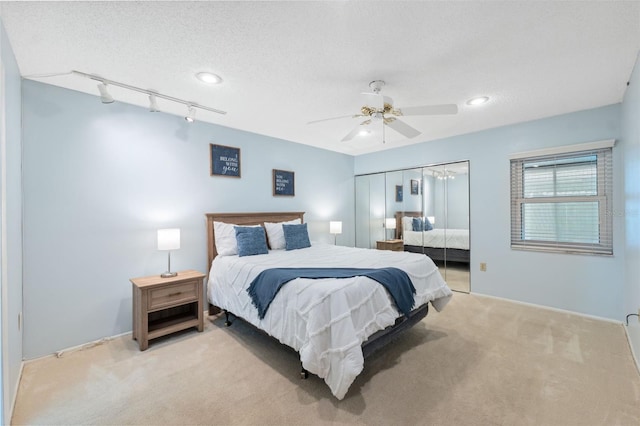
165	305
393	245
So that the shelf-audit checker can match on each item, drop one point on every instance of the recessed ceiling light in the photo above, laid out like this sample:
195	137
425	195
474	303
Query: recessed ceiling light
364	132
209	78
478	100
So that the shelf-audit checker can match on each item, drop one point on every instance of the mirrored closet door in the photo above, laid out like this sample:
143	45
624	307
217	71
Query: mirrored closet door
422	210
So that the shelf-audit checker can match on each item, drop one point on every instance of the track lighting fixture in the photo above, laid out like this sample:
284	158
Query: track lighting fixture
153	104
105	97
191	114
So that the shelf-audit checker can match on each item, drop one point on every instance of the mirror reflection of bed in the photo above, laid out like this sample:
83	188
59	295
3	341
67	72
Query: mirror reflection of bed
438	195
448	248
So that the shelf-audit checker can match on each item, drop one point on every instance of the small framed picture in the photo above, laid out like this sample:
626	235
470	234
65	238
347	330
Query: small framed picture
284	183
398	193
415	185
225	160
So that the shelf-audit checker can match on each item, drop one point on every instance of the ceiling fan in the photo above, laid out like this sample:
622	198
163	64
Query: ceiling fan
380	108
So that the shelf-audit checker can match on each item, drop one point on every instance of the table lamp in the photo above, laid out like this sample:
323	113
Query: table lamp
335	228
169	239
390	223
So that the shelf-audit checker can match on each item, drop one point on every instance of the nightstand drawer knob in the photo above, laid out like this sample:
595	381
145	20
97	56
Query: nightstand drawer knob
175	294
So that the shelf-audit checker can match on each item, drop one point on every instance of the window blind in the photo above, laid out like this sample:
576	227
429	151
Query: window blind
563	202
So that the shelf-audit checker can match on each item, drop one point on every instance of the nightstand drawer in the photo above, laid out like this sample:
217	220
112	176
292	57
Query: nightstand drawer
178	293
393	245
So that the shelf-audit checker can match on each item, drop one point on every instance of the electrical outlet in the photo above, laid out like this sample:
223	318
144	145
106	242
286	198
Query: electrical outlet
483	267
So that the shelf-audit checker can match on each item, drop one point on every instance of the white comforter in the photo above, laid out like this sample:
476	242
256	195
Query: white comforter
325	320
449	238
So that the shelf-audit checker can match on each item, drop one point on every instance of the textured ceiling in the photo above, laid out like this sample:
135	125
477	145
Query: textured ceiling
287	63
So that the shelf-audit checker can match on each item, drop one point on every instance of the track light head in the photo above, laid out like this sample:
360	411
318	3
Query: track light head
105	97
191	115
153	104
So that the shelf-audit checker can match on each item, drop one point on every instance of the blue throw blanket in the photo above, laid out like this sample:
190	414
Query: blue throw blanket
268	282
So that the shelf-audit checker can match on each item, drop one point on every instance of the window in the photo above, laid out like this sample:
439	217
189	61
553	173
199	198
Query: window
561	199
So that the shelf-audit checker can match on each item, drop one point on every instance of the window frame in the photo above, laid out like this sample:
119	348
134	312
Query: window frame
604	197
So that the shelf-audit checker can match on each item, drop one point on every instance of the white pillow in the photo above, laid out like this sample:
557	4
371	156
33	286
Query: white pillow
407	223
276	234
226	243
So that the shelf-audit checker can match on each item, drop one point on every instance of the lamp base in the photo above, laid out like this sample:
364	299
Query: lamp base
168	274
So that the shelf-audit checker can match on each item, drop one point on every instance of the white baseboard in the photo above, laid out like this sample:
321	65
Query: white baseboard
549	308
88	345
15	392
633	336
81	347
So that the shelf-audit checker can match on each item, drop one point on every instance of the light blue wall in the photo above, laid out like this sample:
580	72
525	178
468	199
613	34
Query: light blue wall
591	285
12	276
631	138
100	179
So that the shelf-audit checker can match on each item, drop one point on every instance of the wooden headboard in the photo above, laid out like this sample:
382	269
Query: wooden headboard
243	219
399	216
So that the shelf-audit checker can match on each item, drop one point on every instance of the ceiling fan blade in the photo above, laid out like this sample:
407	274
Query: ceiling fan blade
336	118
402	128
430	110
351	134
355	131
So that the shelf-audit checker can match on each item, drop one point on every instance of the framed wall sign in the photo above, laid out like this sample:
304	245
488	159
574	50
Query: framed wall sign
225	160
414	187
398	193
283	183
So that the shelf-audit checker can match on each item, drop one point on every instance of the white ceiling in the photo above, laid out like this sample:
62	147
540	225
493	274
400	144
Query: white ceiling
287	63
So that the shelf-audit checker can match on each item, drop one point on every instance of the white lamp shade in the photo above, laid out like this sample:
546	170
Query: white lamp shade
390	223
432	219
335	227
169	239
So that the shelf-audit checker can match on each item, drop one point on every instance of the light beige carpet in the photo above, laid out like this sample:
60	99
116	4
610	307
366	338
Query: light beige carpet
479	362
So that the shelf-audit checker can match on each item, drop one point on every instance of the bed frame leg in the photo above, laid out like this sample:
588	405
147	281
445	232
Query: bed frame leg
213	310
304	374
226	319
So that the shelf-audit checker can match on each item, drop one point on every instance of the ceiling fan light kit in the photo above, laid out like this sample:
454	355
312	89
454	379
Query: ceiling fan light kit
380	108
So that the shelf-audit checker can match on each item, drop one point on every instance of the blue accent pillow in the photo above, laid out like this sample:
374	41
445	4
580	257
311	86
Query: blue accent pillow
427	225
418	224
296	236
251	240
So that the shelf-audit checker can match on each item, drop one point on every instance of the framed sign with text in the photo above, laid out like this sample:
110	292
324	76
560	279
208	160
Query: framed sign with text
398	193
225	160
415	185
284	183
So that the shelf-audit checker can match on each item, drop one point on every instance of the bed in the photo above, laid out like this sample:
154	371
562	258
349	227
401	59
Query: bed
332	323
439	244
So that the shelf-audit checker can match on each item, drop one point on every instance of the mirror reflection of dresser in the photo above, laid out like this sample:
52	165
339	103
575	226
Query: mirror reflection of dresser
422	210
